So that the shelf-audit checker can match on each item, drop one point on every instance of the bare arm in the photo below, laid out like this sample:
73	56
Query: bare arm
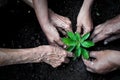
50	21
84	20
48	54
29	2
87	5
17	56
41	9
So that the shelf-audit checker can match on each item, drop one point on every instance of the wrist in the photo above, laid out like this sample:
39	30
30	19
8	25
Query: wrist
44	22
42	51
47	28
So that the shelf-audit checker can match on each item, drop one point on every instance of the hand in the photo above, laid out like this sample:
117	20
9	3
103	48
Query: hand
84	21
105	30
52	34
105	61
60	21
50	21
54	56
56	22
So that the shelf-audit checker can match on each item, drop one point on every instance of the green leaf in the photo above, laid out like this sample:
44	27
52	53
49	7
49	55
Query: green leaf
78	38
87	44
71	35
85	36
70	48
78	45
78	52
84	53
68	42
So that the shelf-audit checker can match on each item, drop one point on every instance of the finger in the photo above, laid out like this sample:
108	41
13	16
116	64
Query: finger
96	31
52	43
99	26
93	54
89	64
66	60
90	70
111	39
61	22
113	69
62	31
68	29
59	43
87	28
79	26
56	43
64	27
99	37
70	54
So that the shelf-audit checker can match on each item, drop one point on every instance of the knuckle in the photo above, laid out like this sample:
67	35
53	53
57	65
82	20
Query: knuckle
97	69
63	60
64	53
68	26
89	29
68	22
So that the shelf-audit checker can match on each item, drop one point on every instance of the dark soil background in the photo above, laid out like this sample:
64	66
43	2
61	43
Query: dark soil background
20	29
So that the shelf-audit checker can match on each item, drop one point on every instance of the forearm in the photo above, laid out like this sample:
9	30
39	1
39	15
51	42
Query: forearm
18	56
87	5
29	2
41	9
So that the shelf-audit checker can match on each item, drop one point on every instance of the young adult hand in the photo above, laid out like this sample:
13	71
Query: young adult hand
105	61
54	56
84	21
106	29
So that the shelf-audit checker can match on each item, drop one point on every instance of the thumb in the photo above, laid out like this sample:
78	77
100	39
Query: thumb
70	54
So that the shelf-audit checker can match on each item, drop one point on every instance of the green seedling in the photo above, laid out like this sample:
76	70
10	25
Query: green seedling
78	44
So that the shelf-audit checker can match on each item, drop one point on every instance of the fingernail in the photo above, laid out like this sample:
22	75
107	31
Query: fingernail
64	46
105	42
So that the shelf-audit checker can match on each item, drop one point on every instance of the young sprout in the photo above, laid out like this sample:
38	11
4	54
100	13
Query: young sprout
78	44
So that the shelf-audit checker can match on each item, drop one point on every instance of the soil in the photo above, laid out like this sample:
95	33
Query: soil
20	29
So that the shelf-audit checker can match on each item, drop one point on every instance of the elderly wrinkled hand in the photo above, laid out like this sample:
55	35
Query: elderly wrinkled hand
107	29
54	56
